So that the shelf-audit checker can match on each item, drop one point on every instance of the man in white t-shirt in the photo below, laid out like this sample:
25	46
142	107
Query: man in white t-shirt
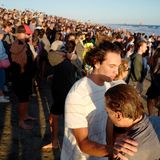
85	116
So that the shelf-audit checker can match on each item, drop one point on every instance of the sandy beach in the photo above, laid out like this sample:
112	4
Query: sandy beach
20	144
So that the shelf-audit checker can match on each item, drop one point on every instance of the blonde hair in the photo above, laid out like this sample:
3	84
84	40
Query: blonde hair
124	66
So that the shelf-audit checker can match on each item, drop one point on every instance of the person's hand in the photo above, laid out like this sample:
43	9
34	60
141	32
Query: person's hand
124	146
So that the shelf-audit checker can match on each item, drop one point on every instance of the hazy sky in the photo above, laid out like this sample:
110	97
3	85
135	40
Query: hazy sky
98	11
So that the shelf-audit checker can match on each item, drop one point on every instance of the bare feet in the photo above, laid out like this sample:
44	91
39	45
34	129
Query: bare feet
27	117
48	146
24	126
53	145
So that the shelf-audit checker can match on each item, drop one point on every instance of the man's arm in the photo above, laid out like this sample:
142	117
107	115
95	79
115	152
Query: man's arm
109	132
99	150
89	147
137	68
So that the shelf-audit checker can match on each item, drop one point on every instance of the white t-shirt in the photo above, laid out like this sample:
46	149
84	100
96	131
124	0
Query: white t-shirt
117	82
84	107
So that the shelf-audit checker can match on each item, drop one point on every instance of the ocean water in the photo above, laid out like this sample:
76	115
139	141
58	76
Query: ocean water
148	29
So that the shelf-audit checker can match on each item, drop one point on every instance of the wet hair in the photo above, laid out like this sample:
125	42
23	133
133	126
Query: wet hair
98	53
125	99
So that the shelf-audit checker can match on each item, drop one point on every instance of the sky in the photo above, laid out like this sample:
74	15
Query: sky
96	11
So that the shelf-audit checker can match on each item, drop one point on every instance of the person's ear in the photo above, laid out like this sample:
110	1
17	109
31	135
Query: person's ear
97	65
118	116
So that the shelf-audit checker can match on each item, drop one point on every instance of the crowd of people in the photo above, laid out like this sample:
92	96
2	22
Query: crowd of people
97	78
